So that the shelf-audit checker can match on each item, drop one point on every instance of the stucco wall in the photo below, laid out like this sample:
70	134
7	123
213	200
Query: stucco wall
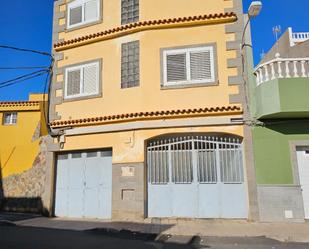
149	10
129	146
272	150
18	149
149	96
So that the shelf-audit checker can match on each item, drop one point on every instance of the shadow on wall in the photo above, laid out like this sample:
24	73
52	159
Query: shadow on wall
289	127
21	192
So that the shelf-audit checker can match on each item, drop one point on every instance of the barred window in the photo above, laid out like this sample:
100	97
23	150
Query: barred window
129	11
130	64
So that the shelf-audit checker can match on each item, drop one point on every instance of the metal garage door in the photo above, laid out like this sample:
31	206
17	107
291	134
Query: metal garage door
303	168
83	184
197	177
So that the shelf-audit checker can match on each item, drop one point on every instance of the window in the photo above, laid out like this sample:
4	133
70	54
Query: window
188	66
10	118
82	80
82	12
130	64
129	11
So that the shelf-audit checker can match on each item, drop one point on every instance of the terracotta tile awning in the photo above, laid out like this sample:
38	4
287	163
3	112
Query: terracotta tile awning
146	25
180	113
19	103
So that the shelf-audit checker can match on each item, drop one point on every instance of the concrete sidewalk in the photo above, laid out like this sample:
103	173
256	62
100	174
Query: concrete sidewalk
292	232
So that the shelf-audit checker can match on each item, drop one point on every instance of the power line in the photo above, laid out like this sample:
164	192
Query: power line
22	76
26	50
23	68
24	79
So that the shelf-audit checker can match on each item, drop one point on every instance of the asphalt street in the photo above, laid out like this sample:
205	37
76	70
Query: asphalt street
20	237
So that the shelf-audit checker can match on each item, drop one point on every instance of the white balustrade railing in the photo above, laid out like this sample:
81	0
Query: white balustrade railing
282	68
300	37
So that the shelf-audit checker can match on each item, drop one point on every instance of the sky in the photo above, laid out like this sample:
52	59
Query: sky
28	24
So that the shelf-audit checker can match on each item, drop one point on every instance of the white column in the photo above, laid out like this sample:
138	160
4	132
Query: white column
295	69
303	70
287	70
279	70
266	73
273	74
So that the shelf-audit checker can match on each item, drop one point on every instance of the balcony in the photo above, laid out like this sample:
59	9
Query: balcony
298	37
282	88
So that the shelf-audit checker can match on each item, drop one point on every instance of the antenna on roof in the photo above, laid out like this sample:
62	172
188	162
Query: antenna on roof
276	32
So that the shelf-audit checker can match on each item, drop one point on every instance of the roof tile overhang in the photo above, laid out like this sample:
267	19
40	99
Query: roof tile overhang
147	25
169	114
19	105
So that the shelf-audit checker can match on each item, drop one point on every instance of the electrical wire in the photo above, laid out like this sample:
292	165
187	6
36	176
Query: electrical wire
44	70
49	87
26	50
23	68
22	76
23	79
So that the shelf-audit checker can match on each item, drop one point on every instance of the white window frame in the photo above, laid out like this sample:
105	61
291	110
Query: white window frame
11	118
187	51
82	3
81	67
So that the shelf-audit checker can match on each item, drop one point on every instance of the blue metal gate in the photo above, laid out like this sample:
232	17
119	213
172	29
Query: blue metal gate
196	177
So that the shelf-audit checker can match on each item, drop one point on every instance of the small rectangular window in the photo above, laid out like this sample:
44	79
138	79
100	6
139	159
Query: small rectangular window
92	154
83	12
10	118
188	66
76	155
63	157
130	64
129	11
82	80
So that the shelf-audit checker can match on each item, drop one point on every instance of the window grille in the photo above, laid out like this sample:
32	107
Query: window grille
200	159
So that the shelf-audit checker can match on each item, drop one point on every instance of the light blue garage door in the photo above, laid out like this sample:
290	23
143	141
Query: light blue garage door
83	185
196	177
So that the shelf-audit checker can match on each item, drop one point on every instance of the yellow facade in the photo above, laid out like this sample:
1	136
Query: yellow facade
19	143
128	119
149	96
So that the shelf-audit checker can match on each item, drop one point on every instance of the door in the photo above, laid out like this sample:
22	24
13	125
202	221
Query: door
83	184
196	177
303	168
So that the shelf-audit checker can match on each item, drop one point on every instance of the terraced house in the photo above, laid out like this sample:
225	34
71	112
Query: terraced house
280	105
147	109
